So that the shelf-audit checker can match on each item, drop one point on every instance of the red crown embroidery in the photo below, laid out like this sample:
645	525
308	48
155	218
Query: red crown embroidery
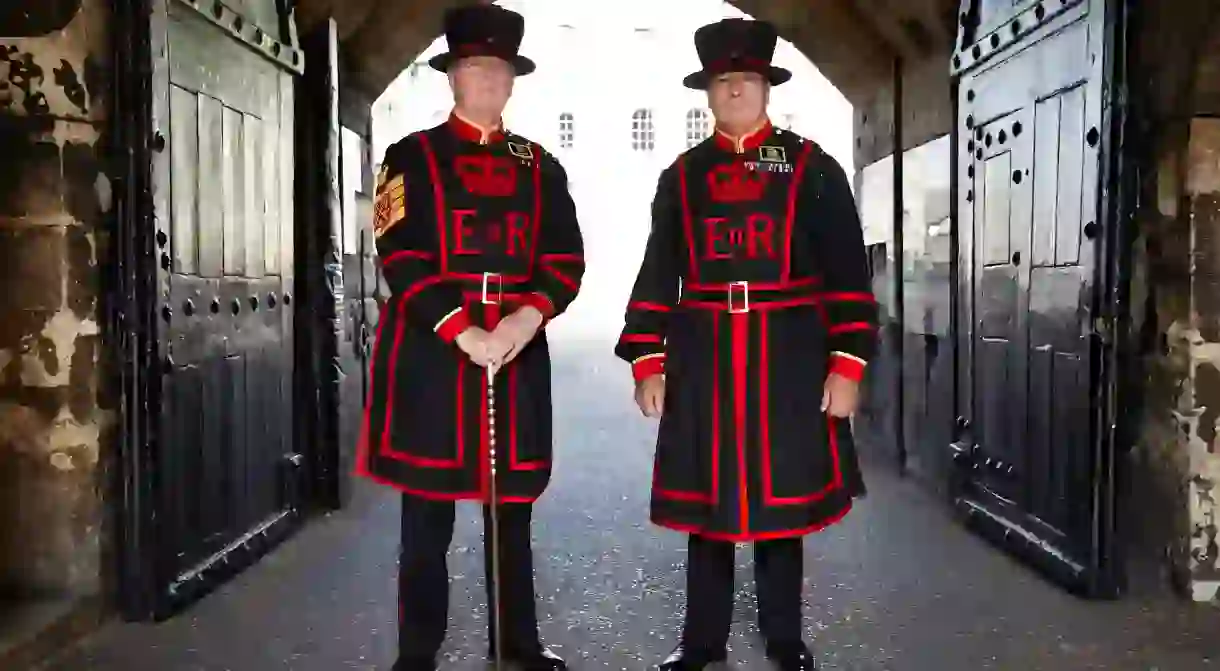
494	176
734	183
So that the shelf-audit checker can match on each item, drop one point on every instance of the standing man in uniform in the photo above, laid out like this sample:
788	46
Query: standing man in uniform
747	331
480	246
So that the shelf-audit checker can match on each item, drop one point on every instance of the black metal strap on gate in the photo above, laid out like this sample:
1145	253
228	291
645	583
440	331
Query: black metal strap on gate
244	30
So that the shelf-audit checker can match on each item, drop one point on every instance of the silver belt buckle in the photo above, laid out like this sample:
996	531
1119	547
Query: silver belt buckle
744	307
493	282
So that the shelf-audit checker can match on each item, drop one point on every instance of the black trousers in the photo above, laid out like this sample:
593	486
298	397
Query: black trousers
778	569
423	577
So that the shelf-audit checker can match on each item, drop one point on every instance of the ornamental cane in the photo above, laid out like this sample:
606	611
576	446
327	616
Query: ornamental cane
494	517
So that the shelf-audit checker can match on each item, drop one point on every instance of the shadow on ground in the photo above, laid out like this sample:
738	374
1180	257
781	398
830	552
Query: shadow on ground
897	586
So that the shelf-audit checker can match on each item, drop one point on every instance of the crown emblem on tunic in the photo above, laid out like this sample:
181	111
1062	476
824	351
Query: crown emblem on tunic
734	183
487	175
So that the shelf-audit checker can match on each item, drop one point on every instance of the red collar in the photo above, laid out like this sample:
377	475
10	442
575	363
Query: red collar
751	140
472	132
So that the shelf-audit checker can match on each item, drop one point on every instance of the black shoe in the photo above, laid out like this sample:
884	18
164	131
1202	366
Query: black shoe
795	657
691	660
540	660
414	664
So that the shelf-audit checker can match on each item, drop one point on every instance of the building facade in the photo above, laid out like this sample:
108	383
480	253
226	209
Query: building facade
608	100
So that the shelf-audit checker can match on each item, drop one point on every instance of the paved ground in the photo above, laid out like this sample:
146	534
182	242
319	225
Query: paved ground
897	586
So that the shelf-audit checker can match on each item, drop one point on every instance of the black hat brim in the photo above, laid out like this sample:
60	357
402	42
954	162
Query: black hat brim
442	62
699	80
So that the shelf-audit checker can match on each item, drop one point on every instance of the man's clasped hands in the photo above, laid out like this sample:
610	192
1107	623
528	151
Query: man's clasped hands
494	349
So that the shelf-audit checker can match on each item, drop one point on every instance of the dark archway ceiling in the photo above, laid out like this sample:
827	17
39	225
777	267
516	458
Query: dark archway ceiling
852	42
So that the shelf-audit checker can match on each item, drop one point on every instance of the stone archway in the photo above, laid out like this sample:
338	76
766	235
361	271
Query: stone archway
856	44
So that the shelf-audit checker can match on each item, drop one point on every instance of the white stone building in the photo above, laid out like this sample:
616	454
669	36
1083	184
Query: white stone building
607	99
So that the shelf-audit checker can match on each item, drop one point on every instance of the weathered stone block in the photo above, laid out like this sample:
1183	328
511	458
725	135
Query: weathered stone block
31	177
33	262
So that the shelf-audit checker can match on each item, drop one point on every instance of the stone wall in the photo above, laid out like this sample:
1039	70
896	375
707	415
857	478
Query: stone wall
1174	466
53	200
1200	337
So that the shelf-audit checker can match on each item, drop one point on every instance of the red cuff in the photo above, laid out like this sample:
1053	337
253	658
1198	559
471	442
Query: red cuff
648	366
452	326
846	366
541	303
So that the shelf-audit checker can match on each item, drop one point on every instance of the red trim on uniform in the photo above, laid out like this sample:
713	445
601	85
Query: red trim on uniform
646	368
515	463
850	327
755	305
640	337
363	466
847	297
769	497
539	302
407	254
472	133
453	325
648	307
751	140
459	407
386	448
740	350
757	535
562	257
478	277
443	496
832	432
537	151
790	218
687	222
363	450
712	497
846	367
438	192
756	285
563	279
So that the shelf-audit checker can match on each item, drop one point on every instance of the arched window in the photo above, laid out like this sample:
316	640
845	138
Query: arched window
643	138
697	127
567	130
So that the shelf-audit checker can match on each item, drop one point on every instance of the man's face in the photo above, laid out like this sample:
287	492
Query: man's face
482	83
738	99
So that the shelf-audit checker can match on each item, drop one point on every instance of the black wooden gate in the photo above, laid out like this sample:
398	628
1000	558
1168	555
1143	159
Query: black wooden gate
360	282
218	472
1036	158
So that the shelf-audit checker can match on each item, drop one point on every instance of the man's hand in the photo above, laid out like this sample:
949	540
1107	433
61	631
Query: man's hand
650	395
841	396
473	342
512	334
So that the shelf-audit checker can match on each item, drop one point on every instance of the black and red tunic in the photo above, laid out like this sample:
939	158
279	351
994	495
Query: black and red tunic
470	225
753	288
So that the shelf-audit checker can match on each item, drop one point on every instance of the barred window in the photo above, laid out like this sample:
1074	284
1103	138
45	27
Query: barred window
567	130
697	127
643	137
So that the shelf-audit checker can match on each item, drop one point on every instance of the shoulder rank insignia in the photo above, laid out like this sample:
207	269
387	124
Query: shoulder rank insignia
521	150
391	205
770	154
